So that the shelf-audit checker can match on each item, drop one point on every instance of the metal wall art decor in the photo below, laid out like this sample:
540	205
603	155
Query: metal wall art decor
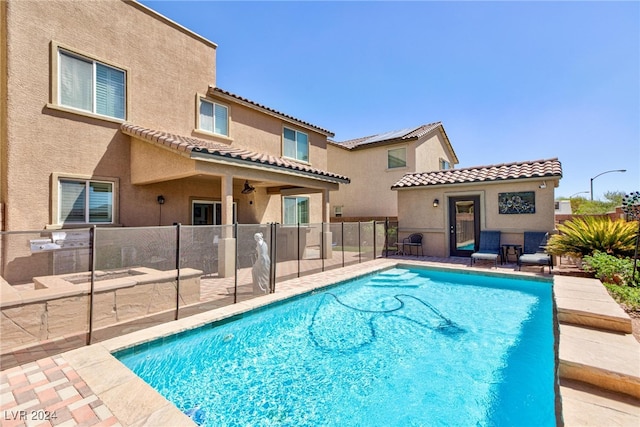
517	203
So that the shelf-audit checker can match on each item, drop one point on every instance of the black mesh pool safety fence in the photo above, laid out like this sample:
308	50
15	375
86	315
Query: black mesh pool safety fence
100	282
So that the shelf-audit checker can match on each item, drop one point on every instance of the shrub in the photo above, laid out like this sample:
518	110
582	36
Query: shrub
583	236
628	296
610	269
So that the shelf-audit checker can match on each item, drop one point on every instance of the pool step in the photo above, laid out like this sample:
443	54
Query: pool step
394	277
608	360
582	301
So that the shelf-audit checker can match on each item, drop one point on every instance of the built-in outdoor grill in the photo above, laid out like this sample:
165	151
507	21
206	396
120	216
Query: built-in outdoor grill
61	240
70	250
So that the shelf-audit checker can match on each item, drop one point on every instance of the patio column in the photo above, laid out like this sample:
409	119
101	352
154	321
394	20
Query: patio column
227	245
326	233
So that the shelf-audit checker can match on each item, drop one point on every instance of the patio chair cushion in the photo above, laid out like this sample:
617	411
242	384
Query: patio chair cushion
486	256
489	247
539	258
534	250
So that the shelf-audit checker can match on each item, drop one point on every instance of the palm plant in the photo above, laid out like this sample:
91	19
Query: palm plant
585	235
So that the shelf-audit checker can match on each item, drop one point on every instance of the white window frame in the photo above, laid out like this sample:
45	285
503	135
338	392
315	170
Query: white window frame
389	166
87	201
297	218
213	117
94	96
297	155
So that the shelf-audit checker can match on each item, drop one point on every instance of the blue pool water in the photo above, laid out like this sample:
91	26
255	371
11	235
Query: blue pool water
399	348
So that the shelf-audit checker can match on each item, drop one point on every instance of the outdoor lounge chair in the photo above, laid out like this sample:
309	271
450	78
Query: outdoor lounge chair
489	248
414	240
534	250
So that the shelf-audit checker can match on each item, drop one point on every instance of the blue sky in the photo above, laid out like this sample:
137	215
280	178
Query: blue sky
510	81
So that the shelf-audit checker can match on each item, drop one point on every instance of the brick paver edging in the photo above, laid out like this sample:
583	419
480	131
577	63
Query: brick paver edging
49	392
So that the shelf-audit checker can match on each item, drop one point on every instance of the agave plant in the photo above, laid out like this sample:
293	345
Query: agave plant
585	235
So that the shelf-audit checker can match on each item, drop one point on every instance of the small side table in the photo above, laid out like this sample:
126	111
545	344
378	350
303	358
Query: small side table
506	250
392	250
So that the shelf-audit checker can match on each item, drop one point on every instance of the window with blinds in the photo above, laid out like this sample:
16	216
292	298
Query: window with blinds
296	145
91	86
85	201
214	118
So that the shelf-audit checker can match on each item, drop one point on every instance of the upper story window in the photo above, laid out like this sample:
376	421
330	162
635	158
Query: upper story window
214	118
444	165
88	85
296	145
295	210
397	158
85	201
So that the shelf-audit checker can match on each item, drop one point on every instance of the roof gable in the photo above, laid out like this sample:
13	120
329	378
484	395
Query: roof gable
400	135
500	172
392	137
216	91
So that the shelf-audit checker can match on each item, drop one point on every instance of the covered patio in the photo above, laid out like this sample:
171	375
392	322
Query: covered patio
211	183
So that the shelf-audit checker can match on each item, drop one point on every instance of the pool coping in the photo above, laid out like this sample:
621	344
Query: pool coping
121	390
96	377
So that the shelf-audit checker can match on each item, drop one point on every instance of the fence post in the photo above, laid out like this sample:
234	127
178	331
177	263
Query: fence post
375	254
342	240
92	267
359	247
274	251
298	253
235	263
271	257
386	237
322	245
178	260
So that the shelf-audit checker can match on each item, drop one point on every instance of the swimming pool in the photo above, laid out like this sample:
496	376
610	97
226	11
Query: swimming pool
402	347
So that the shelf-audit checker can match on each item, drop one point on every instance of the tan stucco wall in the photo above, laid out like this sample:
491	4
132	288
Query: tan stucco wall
369	194
416	212
258	131
168	68
43	140
429	150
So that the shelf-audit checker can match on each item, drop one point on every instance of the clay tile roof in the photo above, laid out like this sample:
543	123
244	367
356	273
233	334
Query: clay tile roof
393	136
491	173
216	90
200	148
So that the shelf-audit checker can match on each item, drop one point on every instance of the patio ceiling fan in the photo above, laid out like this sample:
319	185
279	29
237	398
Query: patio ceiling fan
248	188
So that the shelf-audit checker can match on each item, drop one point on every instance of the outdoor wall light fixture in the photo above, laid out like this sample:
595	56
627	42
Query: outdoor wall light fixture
160	203
248	188
436	203
543	185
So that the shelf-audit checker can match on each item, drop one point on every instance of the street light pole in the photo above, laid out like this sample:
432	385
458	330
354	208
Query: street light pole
579	192
616	170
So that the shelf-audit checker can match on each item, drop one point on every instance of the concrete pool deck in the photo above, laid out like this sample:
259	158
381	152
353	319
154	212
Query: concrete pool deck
89	386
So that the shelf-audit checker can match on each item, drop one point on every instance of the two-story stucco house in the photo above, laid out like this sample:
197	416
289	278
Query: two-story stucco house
123	125
375	163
